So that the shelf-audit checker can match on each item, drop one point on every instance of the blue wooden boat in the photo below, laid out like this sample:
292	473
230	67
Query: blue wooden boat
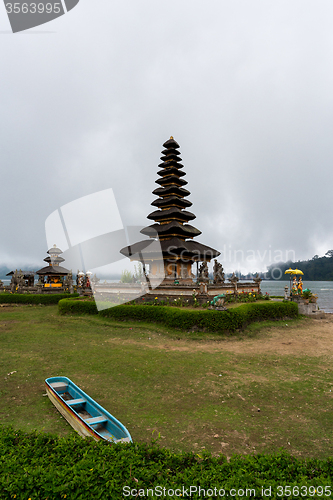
86	416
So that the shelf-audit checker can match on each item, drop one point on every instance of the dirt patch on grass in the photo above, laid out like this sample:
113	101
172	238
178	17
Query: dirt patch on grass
313	337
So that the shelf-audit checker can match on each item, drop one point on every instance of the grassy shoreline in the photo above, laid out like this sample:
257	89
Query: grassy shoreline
197	391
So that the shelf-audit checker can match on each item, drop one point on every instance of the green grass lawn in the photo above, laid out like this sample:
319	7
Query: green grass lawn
191	389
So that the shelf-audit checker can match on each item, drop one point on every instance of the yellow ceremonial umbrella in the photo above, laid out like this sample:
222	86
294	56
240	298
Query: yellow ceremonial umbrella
289	271
292	271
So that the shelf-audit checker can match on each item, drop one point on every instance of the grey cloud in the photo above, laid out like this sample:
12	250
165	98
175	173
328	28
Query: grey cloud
245	88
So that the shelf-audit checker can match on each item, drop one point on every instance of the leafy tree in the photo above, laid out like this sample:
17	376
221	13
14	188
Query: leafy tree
138	272
126	277
315	269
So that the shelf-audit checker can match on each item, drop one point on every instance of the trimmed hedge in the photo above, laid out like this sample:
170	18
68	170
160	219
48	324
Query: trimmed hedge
31	298
41	466
70	306
184	319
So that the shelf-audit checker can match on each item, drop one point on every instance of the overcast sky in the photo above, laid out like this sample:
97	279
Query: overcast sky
245	88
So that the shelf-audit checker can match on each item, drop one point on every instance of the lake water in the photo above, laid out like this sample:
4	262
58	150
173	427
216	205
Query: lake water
324	290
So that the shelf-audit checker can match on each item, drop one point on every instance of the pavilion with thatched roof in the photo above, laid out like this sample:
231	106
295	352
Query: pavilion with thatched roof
52	275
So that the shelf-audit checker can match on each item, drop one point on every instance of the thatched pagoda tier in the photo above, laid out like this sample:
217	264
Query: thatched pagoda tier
189	250
171	179
171	201
173	228
55	260
172	162
172	150
171	213
178	253
170	171
53	270
171	157
171	190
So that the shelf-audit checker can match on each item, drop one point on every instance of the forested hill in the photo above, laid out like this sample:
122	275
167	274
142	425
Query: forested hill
3	271
315	269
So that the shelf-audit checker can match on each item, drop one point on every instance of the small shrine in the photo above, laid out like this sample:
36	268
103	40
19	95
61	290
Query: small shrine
28	276
52	276
179	249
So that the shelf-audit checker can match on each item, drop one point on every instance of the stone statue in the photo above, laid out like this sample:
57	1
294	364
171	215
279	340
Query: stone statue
94	279
20	282
256	279
294	287
203	272
68	282
13	281
80	279
233	278
218	273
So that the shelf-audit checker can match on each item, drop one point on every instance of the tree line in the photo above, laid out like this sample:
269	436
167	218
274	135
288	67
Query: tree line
315	269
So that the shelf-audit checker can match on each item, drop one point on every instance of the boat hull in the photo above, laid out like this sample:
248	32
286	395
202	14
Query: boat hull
86	416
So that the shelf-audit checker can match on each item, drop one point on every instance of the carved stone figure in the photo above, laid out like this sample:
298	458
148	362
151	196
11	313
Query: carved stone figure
20	282
256	279
80	279
233	278
203	272
95	280
13	282
218	273
68	282
294	288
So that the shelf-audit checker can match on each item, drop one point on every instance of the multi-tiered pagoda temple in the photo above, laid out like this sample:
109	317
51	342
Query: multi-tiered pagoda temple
53	273
171	219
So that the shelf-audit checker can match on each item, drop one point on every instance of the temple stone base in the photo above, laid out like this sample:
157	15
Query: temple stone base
203	292
305	306
126	292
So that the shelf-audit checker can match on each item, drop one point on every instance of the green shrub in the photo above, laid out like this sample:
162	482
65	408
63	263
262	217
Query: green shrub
70	306
40	466
126	277
184	319
31	298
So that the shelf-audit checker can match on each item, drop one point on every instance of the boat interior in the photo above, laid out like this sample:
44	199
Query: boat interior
89	413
